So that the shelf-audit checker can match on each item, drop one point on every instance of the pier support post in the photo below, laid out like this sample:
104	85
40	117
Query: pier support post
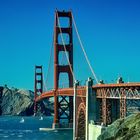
55	123
123	104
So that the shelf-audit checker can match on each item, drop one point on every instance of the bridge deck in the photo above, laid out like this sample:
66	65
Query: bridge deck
81	91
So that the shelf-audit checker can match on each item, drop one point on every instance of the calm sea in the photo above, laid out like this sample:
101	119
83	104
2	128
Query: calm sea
12	128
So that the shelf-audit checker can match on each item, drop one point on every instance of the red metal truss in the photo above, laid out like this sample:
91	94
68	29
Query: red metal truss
106	93
123	104
131	92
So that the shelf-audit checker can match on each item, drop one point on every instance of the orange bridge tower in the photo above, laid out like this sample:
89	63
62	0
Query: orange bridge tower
63	105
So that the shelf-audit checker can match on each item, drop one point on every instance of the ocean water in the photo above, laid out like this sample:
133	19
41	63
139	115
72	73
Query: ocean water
11	128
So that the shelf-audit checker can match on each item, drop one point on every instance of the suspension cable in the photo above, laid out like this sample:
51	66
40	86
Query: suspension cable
82	47
65	48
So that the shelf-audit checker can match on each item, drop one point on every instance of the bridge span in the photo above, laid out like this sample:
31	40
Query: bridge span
112	91
78	105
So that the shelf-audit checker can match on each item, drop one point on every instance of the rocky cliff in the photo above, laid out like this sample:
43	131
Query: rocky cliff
20	102
123	129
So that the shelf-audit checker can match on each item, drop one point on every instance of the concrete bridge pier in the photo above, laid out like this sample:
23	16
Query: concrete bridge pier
92	130
90	109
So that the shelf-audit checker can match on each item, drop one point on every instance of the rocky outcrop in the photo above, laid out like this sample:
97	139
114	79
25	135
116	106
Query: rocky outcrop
20	102
123	129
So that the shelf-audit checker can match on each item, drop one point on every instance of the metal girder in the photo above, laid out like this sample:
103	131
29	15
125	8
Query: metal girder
106	109
115	92
123	104
81	122
63	106
119	94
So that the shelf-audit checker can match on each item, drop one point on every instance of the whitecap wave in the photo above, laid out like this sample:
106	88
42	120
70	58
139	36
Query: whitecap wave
5	136
13	134
20	136
28	131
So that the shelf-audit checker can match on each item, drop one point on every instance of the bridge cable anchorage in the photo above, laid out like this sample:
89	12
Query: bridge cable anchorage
82	47
51	51
65	48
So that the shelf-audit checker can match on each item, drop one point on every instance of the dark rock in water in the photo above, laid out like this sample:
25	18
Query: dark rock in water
123	129
44	108
19	102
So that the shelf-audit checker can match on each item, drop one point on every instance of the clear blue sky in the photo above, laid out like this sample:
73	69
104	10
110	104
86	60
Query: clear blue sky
109	29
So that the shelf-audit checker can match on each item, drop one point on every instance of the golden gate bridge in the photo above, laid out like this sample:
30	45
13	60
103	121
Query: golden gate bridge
102	103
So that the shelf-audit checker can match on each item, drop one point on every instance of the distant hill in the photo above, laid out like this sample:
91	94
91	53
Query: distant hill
20	102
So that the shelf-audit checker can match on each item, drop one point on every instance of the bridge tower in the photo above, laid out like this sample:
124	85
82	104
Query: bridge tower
61	110
38	85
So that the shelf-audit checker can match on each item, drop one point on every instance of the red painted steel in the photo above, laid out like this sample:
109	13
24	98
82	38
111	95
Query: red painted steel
81	119
105	92
99	89
117	85
62	68
38	85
